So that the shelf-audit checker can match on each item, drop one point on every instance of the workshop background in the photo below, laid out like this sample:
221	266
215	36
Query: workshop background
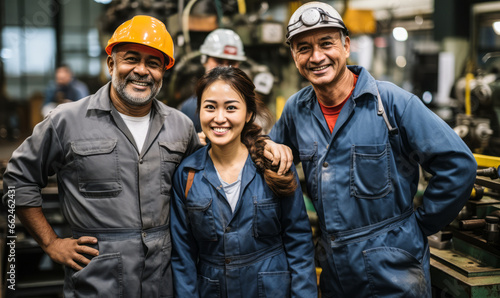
447	52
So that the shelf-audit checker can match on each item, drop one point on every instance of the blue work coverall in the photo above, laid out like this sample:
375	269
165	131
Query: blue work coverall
263	249
362	179
108	190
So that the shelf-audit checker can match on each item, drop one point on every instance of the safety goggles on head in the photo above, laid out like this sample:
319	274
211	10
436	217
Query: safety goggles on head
313	16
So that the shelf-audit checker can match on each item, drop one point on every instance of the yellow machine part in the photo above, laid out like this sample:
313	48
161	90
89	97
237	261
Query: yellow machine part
486	161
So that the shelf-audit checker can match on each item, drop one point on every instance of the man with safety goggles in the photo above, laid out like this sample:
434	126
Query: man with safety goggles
361	143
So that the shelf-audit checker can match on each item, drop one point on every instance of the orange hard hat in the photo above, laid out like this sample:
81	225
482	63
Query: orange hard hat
147	31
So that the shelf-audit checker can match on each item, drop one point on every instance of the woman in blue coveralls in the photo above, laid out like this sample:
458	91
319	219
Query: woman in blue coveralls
238	228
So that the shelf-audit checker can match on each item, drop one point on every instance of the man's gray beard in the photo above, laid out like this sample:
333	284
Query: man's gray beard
135	101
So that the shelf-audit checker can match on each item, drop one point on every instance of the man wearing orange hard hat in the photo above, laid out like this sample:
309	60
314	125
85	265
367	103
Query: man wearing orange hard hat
114	153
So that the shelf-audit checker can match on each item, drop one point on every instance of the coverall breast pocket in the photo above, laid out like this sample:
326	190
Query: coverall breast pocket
370	171
266	220
103	275
202	219
98	168
171	154
394	272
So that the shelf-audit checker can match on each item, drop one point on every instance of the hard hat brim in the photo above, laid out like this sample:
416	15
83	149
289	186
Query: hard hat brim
228	57
306	29
170	60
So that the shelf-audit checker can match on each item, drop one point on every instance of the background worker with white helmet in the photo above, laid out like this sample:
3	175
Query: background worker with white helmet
114	153
361	143
222	47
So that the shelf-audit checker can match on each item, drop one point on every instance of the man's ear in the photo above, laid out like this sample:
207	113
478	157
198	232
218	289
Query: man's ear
347	46
293	55
111	63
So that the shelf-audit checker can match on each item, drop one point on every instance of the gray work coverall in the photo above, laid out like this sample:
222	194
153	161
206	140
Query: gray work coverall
109	190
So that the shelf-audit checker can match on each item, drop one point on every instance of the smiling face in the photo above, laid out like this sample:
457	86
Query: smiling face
223	114
137	73
320	56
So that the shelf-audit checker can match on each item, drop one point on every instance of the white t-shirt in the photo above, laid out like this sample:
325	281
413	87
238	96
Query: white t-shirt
138	126
232	190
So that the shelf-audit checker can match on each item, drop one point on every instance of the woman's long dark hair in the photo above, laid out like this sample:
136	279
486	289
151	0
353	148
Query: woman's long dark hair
251	135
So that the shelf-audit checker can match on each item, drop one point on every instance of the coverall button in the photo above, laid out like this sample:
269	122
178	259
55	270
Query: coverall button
332	238
228	229
227	261
325	164
141	161
144	234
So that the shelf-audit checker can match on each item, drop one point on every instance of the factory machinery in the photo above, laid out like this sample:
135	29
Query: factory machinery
465	257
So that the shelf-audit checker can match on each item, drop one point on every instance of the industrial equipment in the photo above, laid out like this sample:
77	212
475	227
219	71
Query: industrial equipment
465	258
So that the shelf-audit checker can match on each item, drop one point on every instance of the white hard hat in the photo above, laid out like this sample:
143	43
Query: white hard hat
314	15
224	44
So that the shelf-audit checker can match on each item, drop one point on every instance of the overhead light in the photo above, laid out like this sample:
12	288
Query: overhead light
496	27
401	61
400	34
103	1
427	97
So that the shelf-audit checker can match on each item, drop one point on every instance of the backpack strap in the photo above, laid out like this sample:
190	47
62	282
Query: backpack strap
189	182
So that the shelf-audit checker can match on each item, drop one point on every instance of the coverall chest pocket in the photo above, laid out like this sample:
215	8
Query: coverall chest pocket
266	220
202	219
98	167
370	171
171	154
309	159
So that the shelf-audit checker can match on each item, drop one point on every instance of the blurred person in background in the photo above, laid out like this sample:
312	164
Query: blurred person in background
65	88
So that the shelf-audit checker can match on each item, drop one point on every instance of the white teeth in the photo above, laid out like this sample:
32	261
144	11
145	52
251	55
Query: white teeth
220	129
319	68
140	83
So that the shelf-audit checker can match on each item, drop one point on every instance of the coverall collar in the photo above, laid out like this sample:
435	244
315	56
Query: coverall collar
204	163
101	101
